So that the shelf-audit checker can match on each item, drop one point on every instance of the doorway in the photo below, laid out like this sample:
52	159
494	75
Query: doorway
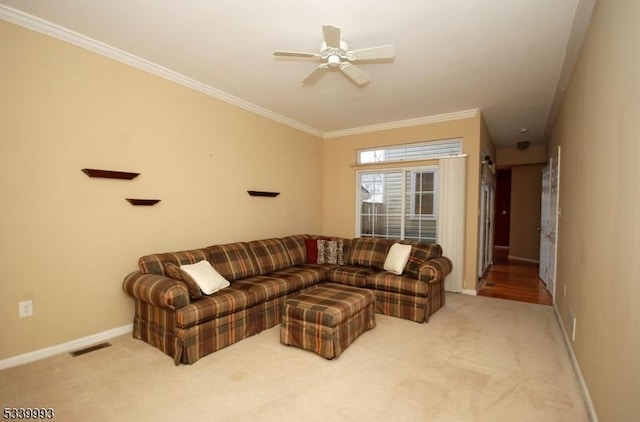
502	218
485	240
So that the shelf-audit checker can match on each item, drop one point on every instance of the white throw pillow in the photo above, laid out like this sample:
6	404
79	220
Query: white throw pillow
397	258
205	276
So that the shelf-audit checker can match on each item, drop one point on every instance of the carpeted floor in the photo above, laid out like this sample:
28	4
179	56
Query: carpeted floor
478	359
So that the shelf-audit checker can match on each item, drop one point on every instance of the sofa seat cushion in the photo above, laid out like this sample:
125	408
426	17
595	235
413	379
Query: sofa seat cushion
298	277
269	255
321	269
233	261
389	282
267	287
219	304
351	275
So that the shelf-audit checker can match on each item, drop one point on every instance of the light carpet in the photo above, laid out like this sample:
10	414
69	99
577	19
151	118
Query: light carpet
477	359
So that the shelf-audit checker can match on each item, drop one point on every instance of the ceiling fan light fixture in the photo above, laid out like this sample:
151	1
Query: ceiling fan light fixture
333	60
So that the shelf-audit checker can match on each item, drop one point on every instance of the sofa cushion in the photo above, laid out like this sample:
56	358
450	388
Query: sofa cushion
269	255
321	269
330	252
351	275
221	303
420	254
265	288
389	282
368	252
296	248
397	258
300	277
312	251
175	272
233	260
156	263
204	276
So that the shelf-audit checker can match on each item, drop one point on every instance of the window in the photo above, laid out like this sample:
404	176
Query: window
398	204
408	152
423	193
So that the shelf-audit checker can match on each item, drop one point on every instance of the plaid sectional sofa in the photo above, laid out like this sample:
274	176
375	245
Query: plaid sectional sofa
263	274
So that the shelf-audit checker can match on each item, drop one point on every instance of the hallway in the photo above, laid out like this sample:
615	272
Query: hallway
513	280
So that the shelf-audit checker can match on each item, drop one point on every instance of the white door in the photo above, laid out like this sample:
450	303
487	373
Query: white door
549	223
545	211
485	250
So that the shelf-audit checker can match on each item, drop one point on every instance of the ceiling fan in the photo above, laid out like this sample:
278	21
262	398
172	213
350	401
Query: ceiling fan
335	53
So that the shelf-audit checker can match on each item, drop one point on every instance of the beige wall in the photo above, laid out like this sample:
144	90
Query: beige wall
526	188
535	154
339	204
67	240
599	250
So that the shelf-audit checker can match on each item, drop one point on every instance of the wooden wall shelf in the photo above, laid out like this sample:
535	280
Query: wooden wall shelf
137	201
262	193
109	174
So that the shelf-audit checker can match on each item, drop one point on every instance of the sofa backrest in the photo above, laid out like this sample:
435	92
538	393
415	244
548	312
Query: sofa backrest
269	255
233	261
429	250
369	252
156	263
296	248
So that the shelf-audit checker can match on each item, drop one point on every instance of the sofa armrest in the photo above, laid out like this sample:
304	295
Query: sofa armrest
157	290
435	269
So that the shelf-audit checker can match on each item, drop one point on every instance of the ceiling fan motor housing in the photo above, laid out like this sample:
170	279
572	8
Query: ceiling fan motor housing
334	56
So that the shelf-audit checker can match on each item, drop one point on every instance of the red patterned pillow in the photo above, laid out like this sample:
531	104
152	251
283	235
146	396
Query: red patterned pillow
312	250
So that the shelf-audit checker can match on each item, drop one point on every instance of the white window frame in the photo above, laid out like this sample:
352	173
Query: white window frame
434	193
404	171
418	151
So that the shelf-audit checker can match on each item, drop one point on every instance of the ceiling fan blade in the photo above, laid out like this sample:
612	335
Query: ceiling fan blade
372	53
355	74
331	36
316	74
294	54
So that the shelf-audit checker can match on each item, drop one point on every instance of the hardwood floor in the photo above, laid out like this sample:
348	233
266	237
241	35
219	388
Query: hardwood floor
513	280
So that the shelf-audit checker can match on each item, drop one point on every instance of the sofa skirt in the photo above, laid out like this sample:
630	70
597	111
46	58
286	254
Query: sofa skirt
414	308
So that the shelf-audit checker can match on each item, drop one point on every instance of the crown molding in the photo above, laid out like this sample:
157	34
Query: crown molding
581	21
42	26
464	114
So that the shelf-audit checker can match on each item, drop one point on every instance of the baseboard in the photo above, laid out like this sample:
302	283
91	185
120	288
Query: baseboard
519	258
470	292
583	385
64	347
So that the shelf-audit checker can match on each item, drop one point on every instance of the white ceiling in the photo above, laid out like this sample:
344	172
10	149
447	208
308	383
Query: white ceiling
504	57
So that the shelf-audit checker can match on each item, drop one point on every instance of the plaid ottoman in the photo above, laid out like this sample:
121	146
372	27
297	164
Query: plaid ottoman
327	318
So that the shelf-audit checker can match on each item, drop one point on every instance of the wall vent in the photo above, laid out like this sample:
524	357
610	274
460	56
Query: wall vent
89	349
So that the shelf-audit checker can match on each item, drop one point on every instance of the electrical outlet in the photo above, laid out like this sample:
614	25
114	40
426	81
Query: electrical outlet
25	308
